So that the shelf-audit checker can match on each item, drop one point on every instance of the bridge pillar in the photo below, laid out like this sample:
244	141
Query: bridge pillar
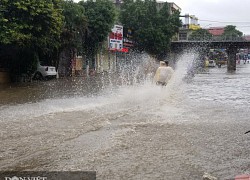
231	62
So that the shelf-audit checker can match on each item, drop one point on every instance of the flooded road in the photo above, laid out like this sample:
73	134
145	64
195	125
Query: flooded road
125	131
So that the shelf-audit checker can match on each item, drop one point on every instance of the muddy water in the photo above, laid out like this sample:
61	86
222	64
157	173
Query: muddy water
130	130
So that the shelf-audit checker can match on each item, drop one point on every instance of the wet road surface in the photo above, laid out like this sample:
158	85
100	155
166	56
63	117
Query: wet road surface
130	131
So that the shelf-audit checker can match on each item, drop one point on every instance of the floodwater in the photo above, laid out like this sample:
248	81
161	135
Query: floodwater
123	128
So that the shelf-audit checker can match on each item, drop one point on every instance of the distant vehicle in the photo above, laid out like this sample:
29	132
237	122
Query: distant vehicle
211	63
44	72
222	62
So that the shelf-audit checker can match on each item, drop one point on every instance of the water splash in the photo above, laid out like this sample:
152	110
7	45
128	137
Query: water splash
130	87
175	90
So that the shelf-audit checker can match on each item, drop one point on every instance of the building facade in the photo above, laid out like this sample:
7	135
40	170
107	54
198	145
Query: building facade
190	24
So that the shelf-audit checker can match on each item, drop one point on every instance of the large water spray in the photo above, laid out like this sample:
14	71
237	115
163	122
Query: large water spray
130	86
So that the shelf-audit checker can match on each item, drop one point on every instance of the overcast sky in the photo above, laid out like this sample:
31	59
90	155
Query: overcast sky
214	13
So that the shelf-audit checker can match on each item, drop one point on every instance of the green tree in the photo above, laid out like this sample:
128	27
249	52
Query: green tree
231	33
31	22
152	28
28	29
101	16
75	25
200	35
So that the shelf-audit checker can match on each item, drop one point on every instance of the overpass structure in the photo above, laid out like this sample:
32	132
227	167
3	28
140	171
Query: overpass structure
231	47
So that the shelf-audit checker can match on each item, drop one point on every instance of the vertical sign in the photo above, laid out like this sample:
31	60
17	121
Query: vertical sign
116	38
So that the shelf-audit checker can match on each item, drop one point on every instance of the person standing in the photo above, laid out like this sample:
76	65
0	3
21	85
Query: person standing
163	73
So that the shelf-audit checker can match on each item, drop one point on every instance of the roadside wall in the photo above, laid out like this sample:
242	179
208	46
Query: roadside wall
4	77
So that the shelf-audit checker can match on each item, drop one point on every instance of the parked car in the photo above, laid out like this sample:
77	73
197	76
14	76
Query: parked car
211	63
44	71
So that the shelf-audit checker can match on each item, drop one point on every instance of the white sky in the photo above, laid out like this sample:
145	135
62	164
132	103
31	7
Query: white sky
214	13
211	12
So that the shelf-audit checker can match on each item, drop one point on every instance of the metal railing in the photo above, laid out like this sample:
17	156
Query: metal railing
215	39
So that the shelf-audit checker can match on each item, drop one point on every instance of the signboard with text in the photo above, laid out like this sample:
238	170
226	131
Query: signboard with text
128	38
116	38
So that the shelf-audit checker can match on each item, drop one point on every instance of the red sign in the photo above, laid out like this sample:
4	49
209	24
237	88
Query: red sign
117	36
119	50
125	50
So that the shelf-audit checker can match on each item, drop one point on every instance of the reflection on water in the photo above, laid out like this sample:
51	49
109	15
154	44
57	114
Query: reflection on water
124	126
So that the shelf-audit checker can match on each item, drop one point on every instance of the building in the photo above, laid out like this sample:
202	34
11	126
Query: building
171	6
190	24
216	31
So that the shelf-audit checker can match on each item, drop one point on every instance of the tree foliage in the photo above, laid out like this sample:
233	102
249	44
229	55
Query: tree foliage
29	23
101	16
75	25
152	28
200	35
231	33
28	28
31	30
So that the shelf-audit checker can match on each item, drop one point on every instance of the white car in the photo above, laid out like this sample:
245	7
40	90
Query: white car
211	63
44	72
